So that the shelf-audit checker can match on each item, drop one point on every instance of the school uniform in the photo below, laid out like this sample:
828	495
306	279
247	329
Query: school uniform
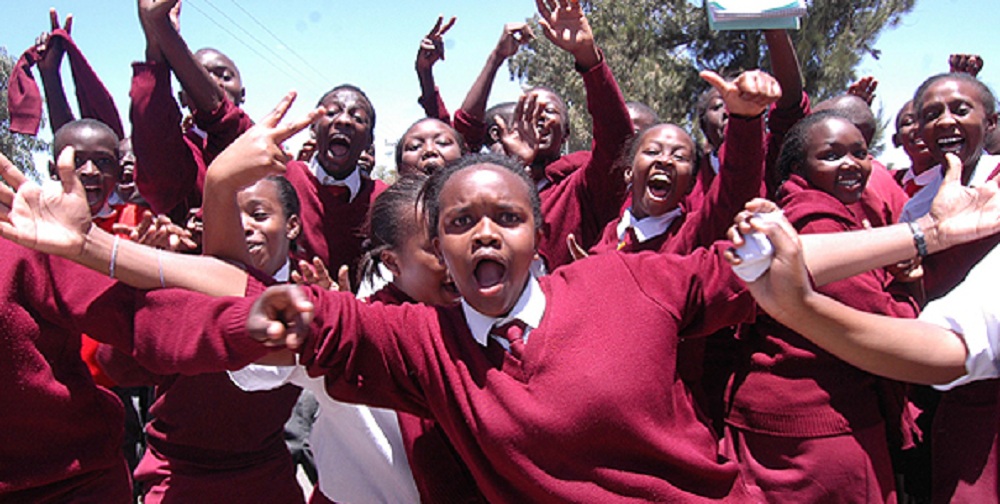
473	130
62	441
584	192
368	454
807	426
964	454
681	231
171	163
577	417
333	214
209	441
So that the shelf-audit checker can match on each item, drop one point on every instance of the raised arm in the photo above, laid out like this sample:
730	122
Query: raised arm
52	50
56	220
785	67
430	52
253	156
204	93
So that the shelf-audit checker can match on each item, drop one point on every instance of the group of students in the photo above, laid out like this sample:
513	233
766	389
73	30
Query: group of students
533	326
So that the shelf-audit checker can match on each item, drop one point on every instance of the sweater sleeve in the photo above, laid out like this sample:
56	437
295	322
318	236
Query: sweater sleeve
740	178
370	354
223	125
436	110
167	165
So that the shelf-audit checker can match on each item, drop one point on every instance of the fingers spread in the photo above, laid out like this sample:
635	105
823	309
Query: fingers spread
275	116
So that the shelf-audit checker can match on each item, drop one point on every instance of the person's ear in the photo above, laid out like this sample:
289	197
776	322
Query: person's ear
436	245
391	262
896	142
293	226
991	122
628	176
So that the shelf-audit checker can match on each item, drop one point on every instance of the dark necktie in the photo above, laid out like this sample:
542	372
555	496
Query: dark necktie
629	240
513	332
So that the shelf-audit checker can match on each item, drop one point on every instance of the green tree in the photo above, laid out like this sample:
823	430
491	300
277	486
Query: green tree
15	146
657	47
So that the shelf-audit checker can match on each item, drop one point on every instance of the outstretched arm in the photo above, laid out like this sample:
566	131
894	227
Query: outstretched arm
785	67
514	35
902	349
567	27
56	220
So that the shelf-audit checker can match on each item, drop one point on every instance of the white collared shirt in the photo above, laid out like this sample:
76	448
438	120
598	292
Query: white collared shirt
352	182
920	204
923	178
284	273
713	161
971	311
529	309
648	227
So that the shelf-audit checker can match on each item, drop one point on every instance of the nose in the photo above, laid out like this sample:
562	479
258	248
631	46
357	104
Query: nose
247	223
486	234
89	169
429	150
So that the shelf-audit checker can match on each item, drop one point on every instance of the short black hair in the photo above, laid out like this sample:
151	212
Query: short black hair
398	154
430	195
793	149
985	94
356	89
387	228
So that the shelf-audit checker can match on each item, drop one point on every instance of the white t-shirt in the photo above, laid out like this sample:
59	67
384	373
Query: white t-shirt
971	311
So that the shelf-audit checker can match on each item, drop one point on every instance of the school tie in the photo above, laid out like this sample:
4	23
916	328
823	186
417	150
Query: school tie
629	240
513	333
911	188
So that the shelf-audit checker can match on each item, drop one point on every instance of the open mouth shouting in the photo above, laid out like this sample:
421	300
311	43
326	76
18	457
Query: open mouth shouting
490	272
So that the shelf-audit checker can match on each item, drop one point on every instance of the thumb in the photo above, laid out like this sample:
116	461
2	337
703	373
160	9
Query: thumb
953	169
67	171
575	249
343	279
715	80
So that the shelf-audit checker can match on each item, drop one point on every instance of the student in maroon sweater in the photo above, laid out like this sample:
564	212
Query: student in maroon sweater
580	192
806	426
621	434
470	120
172	161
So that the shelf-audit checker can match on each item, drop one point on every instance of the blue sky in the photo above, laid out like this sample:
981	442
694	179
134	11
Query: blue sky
313	45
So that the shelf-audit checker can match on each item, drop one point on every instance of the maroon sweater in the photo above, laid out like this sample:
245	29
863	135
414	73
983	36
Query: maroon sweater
438	471
741	180
473	130
63	427
585	192
332	226
583	418
790	386
171	165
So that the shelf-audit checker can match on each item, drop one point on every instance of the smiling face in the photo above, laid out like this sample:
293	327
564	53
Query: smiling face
344	132
836	159
415	267
427	146
714	119
908	137
953	119
96	159
223	71
662	170
268	230
487	236
552	124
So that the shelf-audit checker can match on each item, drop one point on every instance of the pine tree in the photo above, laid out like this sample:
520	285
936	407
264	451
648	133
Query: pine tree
656	48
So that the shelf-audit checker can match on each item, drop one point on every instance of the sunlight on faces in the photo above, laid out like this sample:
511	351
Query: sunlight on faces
343	133
836	159
427	146
223	71
269	232
96	160
662	170
415	267
714	118
908	136
953	119
487	236
553	125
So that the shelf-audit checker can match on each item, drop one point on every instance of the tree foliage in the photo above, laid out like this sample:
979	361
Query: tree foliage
15	146
656	48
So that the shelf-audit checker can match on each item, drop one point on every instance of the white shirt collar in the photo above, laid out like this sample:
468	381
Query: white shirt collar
284	273
920	203
352	182
649	227
924	178
529	309
105	211
713	161
198	131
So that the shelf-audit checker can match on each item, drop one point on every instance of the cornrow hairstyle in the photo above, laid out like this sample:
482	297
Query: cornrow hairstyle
398	154
393	217
430	195
793	149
